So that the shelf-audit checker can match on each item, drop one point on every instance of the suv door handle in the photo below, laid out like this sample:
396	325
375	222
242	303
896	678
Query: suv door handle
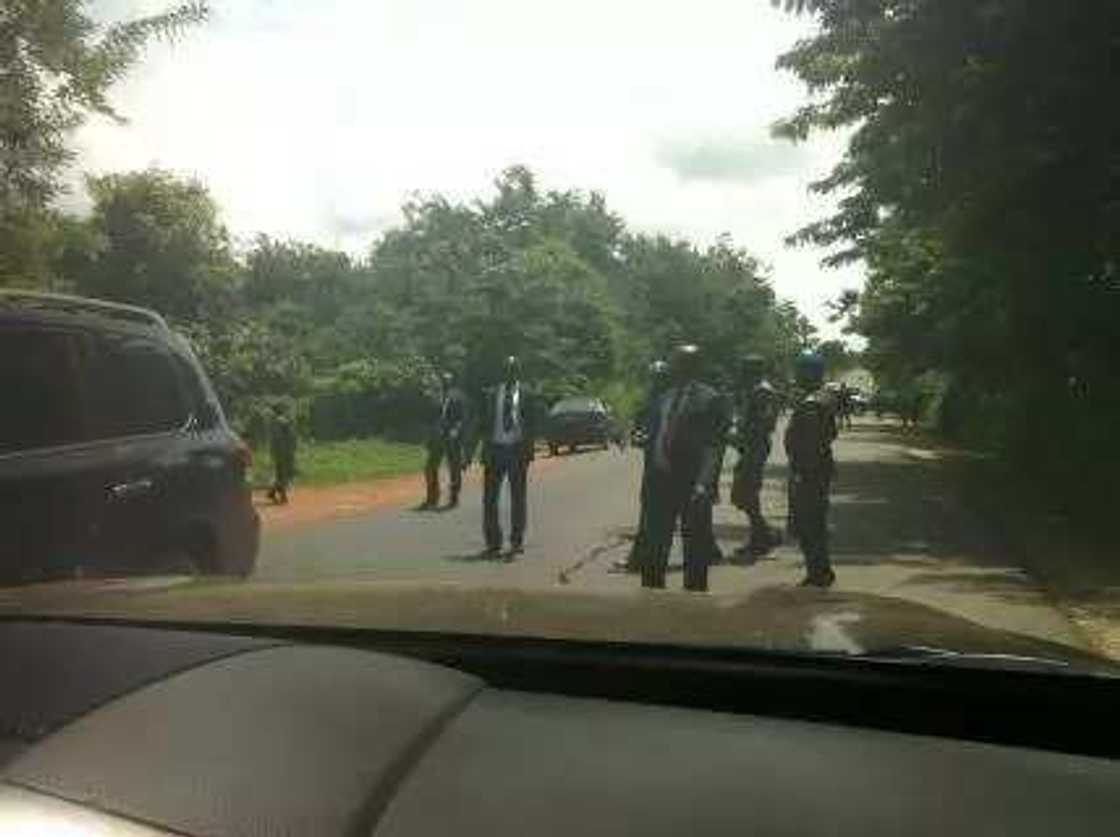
132	488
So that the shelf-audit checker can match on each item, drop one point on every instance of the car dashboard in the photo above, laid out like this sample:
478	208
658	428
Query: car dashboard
134	730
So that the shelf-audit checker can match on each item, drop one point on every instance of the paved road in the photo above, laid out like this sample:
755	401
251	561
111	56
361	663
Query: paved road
577	504
897	532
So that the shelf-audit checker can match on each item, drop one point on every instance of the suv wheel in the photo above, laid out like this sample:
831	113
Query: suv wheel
196	555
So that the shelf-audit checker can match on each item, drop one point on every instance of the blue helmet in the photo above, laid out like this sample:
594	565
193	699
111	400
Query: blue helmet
808	369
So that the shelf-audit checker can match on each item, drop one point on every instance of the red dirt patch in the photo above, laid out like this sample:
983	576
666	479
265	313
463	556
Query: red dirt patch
313	503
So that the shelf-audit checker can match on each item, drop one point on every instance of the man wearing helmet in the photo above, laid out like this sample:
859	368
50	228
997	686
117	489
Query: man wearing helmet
445	440
757	415
686	436
808	442
658	383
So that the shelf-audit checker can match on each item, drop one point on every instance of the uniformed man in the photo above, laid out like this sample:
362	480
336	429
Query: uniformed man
686	433
507	426
445	440
808	443
658	383
282	444
757	415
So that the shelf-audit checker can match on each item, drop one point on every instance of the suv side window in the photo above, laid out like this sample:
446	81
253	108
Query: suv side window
41	377
135	389
197	401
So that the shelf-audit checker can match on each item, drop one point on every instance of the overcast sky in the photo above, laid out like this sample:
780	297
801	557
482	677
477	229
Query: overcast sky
315	120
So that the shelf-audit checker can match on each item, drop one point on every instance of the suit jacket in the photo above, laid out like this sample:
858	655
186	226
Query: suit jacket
702	418
452	423
486	413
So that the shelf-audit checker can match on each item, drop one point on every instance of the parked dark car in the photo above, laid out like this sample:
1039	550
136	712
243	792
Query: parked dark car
579	421
115	456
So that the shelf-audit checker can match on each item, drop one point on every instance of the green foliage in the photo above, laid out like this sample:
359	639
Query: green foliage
980	187
159	244
348	460
352	347
58	66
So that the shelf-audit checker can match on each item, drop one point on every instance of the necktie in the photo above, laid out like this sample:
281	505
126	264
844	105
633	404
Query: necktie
507	409
671	422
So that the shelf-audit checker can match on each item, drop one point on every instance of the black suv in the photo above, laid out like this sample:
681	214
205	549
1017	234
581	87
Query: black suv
115	457
579	421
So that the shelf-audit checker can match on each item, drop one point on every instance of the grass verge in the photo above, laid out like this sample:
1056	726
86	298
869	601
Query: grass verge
351	460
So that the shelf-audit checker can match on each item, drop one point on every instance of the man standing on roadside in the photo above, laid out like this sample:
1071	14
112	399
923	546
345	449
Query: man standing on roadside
808	442
686	441
282	446
446	440
507	431
757	416
658	383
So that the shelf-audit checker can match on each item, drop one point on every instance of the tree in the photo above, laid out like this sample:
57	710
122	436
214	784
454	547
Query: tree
160	243
980	185
58	67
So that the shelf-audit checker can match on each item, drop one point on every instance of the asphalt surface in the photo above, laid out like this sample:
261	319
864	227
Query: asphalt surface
578	504
898	533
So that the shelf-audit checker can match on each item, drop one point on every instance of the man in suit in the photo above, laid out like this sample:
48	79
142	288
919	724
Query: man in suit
686	442
446	440
507	427
658	383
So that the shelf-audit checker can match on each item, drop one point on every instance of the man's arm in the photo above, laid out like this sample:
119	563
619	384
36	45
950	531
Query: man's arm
714	428
475	428
457	416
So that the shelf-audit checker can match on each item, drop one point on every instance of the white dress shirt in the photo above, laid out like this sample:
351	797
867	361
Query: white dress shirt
513	435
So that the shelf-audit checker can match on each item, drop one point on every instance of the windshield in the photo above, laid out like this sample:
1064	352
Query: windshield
289	293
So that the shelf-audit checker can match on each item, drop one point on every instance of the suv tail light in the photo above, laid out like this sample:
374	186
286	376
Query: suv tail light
244	455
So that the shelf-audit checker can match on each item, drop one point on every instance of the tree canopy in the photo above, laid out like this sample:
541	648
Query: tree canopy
352	341
980	186
58	67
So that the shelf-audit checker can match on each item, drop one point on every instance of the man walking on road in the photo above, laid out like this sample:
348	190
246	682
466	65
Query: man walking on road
686	439
446	440
507	428
808	442
757	417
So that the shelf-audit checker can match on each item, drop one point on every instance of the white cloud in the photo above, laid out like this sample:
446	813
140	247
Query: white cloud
316	120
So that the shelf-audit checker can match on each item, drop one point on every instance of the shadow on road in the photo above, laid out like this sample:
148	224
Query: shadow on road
1011	586
905	512
480	556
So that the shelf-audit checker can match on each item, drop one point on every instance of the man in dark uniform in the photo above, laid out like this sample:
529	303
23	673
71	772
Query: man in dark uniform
282	444
446	440
658	383
808	442
686	438
757	414
507	427
847	406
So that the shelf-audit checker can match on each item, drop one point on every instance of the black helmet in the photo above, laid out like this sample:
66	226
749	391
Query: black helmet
808	369
753	366
685	361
